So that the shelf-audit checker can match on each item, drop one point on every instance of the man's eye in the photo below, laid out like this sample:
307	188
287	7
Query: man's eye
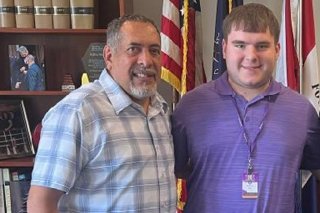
239	46
132	50
155	51
262	46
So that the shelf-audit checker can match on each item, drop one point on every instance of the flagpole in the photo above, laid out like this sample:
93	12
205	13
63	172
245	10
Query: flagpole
175	98
300	88
300	48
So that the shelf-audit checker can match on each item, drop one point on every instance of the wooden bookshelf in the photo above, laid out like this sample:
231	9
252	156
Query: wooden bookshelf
63	51
17	162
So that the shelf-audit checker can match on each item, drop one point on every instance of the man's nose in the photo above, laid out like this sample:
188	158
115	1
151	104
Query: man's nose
250	53
145	58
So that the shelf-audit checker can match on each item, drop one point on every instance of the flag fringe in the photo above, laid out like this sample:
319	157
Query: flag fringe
171	78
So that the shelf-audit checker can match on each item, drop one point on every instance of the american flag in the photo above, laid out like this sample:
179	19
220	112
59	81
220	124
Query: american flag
181	55
181	44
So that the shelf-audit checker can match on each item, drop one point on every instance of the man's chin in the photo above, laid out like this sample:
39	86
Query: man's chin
142	94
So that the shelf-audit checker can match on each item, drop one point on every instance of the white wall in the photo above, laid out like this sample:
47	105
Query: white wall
153	9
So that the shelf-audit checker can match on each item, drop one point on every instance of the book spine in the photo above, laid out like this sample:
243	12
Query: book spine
43	14
82	14
2	200
19	188
24	13
19	195
7	13
7	193
61	14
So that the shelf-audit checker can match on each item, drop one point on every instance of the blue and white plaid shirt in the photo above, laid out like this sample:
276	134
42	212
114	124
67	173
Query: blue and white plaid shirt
107	155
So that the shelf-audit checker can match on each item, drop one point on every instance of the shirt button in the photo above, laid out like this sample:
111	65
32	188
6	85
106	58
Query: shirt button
165	204
163	175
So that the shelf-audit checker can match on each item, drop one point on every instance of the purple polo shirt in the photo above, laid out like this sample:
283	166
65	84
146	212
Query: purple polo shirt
206	130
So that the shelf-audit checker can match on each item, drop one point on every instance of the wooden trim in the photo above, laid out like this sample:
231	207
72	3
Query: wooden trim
125	7
122	7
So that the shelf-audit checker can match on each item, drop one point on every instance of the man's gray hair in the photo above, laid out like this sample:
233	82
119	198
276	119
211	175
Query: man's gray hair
113	28
22	49
29	57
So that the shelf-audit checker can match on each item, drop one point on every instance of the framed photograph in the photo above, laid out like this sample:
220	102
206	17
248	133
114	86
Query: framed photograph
27	67
15	135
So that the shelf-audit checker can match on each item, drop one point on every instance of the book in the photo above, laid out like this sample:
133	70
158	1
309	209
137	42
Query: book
15	134
7	13
43	14
61	14
24	13
82	14
27	67
19	195
2	199
6	189
19	189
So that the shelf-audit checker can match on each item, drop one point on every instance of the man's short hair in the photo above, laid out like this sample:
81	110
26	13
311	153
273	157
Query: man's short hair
251	17
22	49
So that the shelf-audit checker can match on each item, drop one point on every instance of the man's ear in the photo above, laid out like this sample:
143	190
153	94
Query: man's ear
107	55
278	49
224	44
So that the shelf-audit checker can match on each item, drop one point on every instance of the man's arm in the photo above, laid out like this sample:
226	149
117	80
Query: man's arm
43	200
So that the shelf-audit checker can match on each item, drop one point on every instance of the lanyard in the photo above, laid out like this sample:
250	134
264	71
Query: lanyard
251	144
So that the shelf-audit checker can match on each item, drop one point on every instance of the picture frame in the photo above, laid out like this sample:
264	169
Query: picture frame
15	134
27	67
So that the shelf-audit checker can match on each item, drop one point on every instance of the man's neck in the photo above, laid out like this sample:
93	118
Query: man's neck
250	93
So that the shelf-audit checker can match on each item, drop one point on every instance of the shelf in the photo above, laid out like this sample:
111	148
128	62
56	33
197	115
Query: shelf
37	103
32	93
17	162
51	31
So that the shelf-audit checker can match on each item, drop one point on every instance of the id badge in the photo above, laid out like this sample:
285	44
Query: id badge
250	185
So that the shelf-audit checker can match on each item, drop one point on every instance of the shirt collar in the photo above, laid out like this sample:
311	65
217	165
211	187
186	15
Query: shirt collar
224	88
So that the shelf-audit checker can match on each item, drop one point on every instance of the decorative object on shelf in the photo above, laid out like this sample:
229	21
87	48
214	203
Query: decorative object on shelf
82	14
61	14
15	135
24	13
36	135
67	84
84	78
93	61
27	67
43	14
7	13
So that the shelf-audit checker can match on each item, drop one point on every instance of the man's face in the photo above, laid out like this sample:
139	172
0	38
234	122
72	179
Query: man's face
24	54
135	64
250	58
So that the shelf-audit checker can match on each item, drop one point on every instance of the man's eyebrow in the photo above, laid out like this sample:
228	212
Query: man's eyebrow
243	42
139	44
155	45
238	42
135	44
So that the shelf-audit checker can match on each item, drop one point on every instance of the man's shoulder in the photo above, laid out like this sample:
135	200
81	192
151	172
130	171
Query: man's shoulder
90	94
202	91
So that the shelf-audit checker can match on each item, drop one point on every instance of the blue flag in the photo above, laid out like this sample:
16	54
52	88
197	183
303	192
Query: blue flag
223	9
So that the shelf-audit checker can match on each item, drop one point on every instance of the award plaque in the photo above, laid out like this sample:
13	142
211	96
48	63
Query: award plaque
67	84
92	60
